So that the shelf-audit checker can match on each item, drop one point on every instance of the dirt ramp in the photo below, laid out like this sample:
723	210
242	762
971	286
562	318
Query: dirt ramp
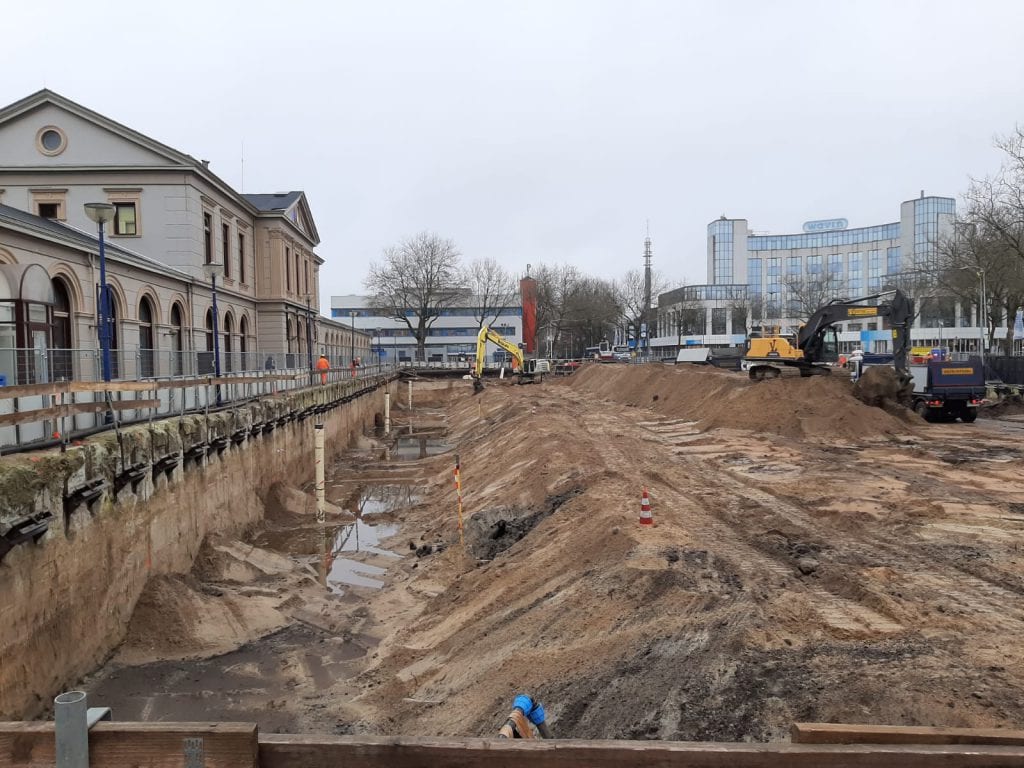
817	406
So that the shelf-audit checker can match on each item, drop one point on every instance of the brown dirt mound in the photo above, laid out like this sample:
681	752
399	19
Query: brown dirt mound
818	406
178	616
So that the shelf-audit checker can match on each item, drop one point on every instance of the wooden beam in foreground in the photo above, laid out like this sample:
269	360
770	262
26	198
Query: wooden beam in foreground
831	733
317	751
140	745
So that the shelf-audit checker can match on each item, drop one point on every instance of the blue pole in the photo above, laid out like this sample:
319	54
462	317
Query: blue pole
104	311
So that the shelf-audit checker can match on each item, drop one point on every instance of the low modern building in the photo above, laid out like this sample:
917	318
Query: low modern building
173	219
775	280
452	335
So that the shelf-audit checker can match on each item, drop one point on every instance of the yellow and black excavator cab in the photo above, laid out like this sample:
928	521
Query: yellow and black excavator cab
816	344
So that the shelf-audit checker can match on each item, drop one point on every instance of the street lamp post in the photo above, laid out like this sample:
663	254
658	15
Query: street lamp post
983	320
309	335
213	270
101	213
982	310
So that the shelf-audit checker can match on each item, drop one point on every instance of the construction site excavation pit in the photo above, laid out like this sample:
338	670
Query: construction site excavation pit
811	558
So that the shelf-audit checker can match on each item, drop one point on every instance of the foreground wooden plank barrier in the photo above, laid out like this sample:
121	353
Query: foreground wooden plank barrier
315	751
238	745
140	745
832	733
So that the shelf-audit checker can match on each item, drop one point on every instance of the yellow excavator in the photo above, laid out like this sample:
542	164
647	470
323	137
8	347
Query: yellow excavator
528	370
814	346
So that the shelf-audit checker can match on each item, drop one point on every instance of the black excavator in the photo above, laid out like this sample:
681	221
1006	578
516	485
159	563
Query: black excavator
816	343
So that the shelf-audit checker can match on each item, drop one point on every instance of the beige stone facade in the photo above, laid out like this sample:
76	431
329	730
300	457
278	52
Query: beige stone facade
173	216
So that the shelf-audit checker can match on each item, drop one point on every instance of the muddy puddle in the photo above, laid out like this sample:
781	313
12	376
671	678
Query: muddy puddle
380	500
246	684
422	447
359	538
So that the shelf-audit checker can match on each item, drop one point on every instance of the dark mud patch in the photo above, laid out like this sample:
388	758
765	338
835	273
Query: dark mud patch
492	531
707	688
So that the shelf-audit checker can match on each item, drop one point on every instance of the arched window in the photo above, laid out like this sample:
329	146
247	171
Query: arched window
147	339
177	340
288	335
206	364
60	341
115	336
229	329
209	330
243	343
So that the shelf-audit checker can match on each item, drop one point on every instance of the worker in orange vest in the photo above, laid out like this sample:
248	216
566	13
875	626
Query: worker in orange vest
323	365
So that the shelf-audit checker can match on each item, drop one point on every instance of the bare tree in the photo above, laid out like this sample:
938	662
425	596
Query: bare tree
492	288
805	294
592	310
996	203
415	282
978	256
630	293
555	288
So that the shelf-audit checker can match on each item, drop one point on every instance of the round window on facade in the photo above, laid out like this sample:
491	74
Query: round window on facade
51	140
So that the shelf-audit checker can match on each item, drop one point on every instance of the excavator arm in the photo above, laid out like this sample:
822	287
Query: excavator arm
899	310
485	335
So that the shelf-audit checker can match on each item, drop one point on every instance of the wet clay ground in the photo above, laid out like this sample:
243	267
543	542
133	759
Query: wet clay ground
834	564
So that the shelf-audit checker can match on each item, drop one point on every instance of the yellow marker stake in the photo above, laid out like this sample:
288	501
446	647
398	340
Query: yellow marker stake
458	494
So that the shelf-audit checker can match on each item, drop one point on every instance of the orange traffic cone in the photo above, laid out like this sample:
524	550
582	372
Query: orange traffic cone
645	509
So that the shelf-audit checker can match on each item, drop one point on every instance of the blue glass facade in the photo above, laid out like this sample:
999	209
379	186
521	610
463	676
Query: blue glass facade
754	276
823	239
892	257
722	244
926	226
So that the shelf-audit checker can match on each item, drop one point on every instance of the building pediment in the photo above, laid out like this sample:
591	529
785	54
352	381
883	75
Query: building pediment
47	130
293	207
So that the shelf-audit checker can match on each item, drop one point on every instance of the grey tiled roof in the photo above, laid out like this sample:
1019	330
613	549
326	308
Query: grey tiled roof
79	239
277	201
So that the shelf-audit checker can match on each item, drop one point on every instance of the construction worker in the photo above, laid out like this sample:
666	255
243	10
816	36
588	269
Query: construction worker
524	711
323	365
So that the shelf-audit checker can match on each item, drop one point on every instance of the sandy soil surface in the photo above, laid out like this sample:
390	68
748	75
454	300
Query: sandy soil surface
813	559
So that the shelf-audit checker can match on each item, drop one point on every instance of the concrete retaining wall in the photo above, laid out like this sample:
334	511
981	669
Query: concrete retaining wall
66	599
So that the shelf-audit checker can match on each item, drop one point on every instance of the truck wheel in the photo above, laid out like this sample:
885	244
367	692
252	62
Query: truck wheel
922	410
968	417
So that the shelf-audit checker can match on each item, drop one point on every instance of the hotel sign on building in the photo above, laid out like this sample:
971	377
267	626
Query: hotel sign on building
825	225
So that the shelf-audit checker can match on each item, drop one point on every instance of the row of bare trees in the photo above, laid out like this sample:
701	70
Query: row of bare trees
417	280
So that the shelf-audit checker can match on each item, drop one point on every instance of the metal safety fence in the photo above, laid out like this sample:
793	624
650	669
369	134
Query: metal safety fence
53	396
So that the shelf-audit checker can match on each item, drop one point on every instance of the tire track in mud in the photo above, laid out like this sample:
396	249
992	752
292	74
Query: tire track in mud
976	593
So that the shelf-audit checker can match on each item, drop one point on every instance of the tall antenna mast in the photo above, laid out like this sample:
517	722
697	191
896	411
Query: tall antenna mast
645	329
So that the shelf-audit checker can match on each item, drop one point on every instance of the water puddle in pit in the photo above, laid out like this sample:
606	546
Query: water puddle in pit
412	448
361	537
372	500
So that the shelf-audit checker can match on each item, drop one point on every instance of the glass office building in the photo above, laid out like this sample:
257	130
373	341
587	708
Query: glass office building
852	261
778	273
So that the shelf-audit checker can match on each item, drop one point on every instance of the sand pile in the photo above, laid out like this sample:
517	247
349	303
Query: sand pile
179	616
882	387
818	406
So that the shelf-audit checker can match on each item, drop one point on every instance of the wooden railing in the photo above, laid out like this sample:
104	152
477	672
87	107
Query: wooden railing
240	745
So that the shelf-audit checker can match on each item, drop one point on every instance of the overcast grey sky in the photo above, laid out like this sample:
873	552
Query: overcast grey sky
548	131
